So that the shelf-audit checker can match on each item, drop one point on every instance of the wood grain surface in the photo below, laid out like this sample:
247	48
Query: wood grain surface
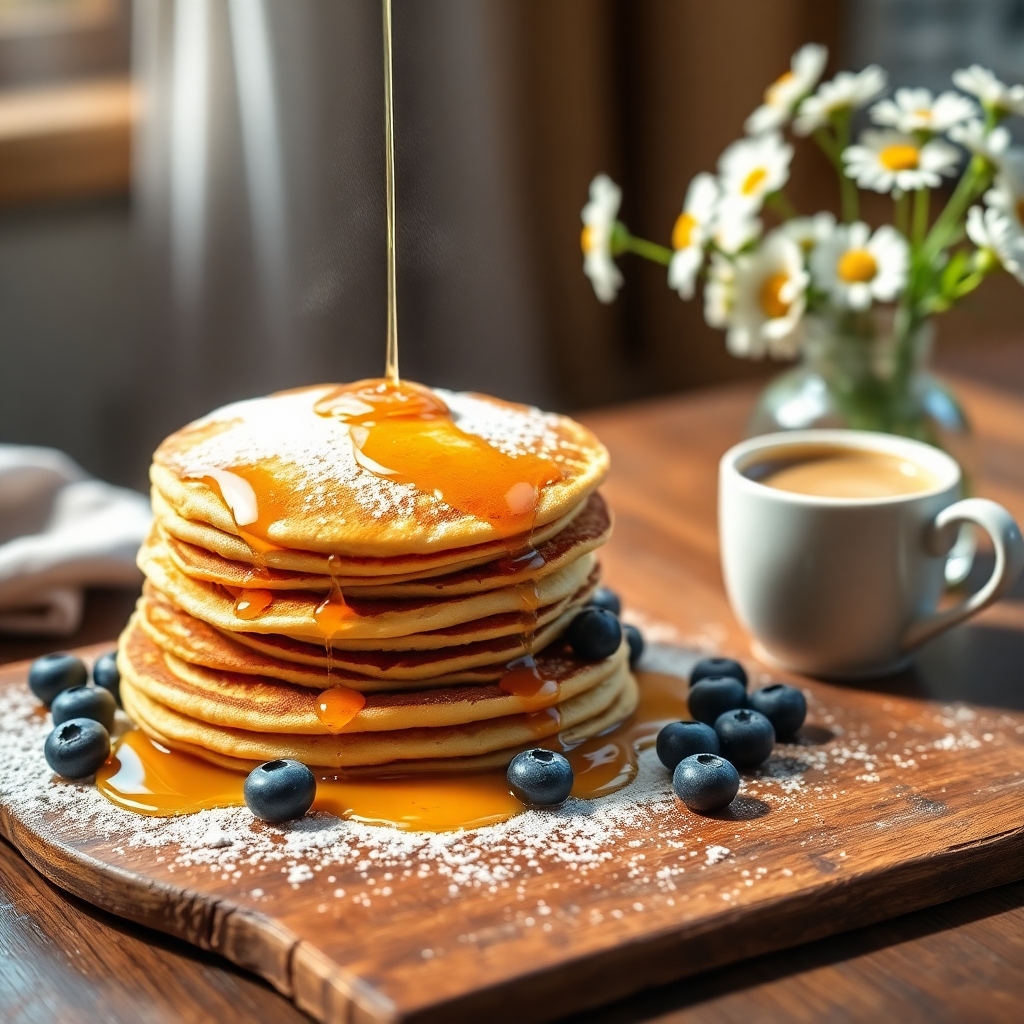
664	560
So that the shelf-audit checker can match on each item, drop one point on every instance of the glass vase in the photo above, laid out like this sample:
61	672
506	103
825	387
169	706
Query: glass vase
861	371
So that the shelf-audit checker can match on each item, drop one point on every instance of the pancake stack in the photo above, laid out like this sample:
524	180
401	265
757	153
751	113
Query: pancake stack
366	594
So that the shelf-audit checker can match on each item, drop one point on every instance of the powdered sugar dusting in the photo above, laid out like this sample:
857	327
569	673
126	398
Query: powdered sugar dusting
318	454
655	849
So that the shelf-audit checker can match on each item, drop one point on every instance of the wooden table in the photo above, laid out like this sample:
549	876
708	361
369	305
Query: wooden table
63	960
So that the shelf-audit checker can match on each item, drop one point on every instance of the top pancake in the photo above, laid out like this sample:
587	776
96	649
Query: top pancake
324	501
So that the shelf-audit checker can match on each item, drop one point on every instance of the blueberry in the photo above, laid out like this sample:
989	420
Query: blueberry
84	702
55	672
746	737
635	639
280	790
105	673
539	777
606	599
76	748
716	668
595	634
705	782
683	739
713	696
784	706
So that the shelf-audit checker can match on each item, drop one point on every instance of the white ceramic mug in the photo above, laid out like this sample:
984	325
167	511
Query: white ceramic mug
848	587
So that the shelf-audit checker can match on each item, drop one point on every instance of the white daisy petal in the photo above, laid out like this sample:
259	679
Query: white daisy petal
691	232
783	95
847	91
855	268
807	232
753	168
768	300
1007	192
995	232
975	138
599	216
994	94
914	110
719	291
887	160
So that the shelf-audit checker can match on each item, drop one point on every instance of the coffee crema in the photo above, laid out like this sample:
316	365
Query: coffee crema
840	472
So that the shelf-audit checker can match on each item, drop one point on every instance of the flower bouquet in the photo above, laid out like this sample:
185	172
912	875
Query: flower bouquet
854	300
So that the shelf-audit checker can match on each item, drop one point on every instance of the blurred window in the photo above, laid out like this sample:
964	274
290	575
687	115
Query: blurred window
921	42
66	100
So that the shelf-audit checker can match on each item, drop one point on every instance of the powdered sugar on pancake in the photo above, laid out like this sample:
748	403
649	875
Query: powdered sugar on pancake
317	456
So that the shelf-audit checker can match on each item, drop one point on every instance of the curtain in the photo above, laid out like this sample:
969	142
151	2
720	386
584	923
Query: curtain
259	188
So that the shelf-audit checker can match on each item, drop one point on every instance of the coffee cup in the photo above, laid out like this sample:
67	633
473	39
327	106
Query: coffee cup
834	545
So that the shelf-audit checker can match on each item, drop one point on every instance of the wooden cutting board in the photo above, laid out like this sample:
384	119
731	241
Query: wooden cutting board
886	805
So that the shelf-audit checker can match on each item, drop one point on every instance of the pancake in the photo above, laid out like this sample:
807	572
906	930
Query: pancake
293	613
347	750
178	633
618	711
317	496
397	568
587	532
352	577
257	704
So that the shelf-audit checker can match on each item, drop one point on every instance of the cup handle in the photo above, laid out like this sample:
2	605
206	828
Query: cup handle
1009	551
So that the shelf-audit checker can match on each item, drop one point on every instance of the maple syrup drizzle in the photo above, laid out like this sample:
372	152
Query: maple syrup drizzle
338	705
251	603
144	776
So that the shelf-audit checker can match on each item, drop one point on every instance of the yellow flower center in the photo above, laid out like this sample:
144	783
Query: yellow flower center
856	266
752	182
587	239
924	113
772	304
771	94
900	156
683	230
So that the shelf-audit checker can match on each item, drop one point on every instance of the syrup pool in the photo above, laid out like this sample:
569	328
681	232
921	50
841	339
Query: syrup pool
148	778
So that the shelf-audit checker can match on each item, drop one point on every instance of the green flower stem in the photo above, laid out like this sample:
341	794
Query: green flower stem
973	182
901	213
832	146
780	203
648	250
921	198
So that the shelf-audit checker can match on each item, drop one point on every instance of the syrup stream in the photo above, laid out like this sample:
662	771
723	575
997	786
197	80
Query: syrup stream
391	364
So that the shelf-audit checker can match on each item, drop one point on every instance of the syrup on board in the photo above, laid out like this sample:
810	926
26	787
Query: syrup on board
144	776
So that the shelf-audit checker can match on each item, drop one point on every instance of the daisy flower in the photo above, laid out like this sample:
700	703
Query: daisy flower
887	160
734	228
783	95
769	300
691	232
993	232
719	291
1007	193
847	91
856	268
994	95
599	217
973	136
808	232
751	169
914	110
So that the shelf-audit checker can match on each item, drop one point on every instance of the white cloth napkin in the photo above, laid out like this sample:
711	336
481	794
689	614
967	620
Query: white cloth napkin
60	532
